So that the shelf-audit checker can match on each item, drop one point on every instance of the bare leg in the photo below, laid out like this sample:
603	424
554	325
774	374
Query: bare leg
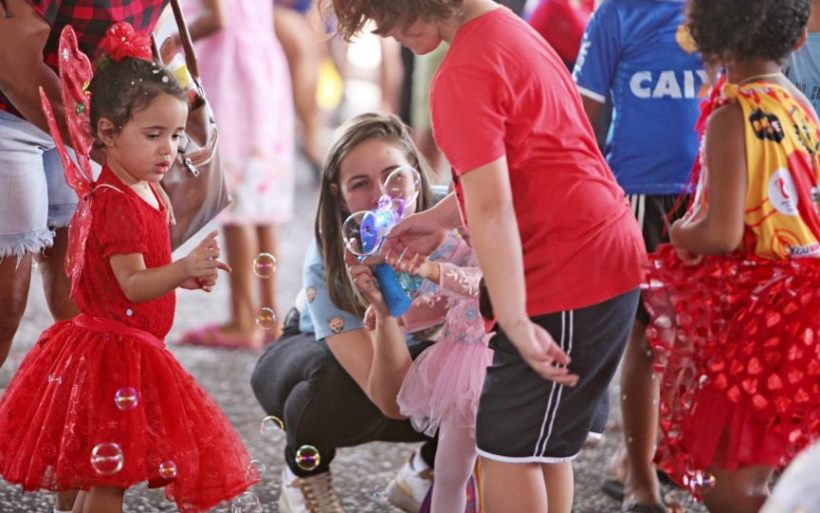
79	503
240	250
15	275
67	500
455	459
513	487
639	407
560	482
104	499
267	237
301	45
56	284
738	491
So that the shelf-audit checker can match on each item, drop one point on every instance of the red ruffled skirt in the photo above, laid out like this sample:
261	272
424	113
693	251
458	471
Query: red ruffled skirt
96	403
736	340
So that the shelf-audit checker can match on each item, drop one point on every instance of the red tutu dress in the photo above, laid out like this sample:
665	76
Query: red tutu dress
737	337
99	400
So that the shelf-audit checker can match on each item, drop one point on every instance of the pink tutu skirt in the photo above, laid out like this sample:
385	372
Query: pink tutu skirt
444	385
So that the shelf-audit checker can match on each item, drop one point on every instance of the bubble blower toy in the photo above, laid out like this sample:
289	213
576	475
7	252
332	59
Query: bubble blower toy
364	233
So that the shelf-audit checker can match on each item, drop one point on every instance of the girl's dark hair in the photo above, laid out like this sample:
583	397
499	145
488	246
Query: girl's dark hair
121	88
742	29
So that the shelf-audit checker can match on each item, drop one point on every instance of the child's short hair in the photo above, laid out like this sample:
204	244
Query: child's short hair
740	29
121	88
353	14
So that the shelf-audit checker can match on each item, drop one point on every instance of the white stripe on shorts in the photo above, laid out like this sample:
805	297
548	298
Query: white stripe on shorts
638	204
552	412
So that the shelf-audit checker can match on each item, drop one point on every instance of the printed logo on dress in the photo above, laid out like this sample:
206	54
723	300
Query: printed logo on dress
783	193
766	126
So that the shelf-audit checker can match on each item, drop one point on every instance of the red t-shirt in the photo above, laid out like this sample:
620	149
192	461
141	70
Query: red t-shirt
502	90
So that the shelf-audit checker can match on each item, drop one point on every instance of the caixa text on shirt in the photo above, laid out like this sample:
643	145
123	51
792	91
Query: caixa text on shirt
668	84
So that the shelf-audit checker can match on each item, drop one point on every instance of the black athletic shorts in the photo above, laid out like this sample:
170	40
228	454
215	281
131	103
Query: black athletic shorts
655	216
524	418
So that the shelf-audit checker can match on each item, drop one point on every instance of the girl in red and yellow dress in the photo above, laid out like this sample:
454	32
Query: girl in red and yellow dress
99	404
735	300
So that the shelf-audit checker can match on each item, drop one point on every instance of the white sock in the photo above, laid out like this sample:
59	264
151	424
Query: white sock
417	463
61	511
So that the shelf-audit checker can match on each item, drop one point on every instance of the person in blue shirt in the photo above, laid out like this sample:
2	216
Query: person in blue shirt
638	54
803	68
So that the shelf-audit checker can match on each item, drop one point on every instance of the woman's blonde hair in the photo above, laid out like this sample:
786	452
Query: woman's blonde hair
330	213
352	15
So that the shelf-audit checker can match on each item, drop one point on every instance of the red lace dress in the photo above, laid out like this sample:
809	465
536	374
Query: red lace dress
737	337
100	401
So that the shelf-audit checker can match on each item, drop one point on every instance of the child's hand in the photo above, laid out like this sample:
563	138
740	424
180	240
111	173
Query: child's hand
369	318
206	284
417	265
365	282
202	263
687	257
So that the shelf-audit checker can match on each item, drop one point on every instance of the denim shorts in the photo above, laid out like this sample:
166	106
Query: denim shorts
34	196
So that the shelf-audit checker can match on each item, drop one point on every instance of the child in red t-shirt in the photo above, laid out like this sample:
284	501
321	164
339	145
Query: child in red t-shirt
559	248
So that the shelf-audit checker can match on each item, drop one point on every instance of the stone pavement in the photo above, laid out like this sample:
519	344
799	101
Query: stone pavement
359	473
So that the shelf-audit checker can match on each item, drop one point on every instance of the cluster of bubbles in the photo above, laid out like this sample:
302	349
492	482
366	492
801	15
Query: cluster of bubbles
364	231
107	457
264	265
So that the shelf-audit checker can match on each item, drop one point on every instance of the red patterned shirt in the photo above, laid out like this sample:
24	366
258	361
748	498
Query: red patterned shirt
90	20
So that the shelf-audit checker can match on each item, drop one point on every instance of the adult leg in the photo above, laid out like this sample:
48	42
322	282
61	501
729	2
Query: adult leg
56	284
639	400
298	380
560	482
24	200
513	487
15	275
301	46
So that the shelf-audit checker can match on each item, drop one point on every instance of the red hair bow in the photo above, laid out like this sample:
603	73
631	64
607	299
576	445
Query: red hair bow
121	41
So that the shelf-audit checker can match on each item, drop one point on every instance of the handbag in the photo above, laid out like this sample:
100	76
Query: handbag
195	182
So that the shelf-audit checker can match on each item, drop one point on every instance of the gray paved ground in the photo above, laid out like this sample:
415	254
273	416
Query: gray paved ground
358	472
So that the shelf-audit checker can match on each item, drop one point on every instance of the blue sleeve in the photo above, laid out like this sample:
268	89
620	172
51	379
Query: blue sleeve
323	316
599	54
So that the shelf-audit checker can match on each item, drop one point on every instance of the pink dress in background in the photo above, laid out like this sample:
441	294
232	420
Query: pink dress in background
444	383
246	77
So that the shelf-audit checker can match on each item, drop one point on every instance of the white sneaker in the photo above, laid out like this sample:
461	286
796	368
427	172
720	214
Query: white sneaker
408	489
312	494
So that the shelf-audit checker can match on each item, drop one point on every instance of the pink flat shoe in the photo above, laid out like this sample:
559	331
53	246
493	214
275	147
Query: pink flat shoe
211	336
